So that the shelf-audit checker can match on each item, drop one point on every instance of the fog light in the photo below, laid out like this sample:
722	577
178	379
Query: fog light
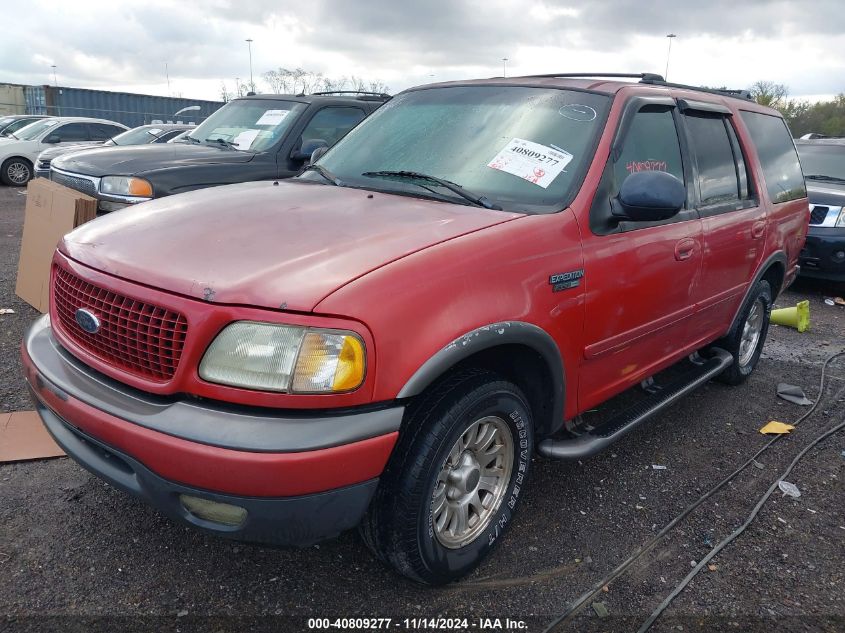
107	206
224	513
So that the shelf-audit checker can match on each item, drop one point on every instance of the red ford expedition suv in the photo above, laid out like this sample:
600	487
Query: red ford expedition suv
386	340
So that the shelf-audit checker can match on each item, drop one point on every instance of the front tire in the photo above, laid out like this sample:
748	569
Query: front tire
746	342
16	172
455	479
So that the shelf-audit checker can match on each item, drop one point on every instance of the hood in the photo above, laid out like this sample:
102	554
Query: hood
134	160
826	193
260	244
50	154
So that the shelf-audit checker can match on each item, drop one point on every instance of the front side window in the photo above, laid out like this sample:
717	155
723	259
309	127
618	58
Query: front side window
248	124
650	144
781	169
522	148
332	124
71	132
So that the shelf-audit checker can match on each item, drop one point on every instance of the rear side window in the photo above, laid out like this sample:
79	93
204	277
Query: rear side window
651	144
103	132
781	169
722	176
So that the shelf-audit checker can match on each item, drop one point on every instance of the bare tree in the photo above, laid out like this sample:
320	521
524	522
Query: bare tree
301	81
225	94
768	93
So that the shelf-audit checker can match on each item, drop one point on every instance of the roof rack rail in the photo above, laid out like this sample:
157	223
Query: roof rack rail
738	94
363	93
641	76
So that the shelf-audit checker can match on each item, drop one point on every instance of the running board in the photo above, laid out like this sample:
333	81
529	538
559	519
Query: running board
598	438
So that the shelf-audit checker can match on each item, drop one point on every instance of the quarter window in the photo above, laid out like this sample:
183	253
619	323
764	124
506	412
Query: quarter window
651	144
781	169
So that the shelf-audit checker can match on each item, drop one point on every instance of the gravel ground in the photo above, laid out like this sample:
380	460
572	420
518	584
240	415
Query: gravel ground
76	554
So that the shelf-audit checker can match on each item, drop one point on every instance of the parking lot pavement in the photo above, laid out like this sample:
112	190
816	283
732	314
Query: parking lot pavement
76	553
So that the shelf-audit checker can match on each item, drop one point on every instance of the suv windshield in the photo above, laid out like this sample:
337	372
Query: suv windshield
521	148
248	124
822	160
32	130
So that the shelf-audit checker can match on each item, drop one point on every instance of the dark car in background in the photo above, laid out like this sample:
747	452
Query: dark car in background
11	123
258	137
823	161
141	135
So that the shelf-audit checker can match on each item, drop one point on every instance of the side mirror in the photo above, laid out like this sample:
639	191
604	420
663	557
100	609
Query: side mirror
52	139
650	196
308	148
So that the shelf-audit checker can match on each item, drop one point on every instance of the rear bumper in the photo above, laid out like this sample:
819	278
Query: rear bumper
300	478
823	256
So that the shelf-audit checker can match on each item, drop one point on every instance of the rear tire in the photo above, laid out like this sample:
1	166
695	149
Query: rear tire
746	342
16	172
455	478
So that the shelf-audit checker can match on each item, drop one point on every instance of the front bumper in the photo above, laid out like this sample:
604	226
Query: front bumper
301	479
823	256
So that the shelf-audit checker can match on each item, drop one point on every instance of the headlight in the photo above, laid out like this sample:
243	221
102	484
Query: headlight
126	186
284	358
840	221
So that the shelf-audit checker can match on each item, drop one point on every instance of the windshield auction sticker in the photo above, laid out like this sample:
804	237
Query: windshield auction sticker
272	117
531	161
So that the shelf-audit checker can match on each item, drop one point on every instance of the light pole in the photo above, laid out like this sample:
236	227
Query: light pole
671	36
504	66
251	82
167	75
55	81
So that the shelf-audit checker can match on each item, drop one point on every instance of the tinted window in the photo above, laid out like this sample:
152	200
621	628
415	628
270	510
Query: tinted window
650	144
331	124
250	124
717	173
72	132
781	169
103	132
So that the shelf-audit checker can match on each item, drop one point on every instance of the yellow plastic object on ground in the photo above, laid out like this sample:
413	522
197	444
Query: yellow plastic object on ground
776	428
797	317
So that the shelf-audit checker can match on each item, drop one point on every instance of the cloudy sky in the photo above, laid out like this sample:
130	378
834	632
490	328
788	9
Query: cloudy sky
117	45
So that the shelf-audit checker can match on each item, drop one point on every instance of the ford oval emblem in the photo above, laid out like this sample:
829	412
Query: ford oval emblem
87	320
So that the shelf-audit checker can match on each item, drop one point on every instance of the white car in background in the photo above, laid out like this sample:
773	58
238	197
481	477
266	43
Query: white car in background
19	151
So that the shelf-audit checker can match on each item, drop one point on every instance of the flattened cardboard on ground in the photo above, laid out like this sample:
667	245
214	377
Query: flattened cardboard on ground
23	437
52	210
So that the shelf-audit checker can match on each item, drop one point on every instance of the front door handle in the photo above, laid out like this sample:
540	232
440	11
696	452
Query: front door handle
757	229
684	249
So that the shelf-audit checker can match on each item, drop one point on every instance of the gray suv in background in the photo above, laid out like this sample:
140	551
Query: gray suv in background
141	135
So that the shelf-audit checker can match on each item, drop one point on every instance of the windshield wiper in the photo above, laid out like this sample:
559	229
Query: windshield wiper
190	139
481	201
325	173
222	142
824	177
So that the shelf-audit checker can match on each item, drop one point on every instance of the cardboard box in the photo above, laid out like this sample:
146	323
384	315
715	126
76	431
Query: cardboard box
52	210
23	437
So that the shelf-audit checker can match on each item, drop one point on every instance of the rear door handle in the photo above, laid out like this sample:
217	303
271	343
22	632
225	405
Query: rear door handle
685	248
757	229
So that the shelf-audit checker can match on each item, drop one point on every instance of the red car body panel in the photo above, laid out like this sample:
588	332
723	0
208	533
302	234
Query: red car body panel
312	240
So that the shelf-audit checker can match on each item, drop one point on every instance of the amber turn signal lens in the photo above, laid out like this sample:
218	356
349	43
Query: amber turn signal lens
329	362
140	187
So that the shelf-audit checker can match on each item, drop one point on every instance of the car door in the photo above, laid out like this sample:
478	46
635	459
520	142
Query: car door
328	124
733	221
639	277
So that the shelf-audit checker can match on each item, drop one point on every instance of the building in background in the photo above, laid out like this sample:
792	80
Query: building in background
130	109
